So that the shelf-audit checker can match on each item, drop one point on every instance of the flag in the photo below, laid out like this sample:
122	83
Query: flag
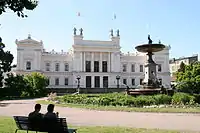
79	14
114	16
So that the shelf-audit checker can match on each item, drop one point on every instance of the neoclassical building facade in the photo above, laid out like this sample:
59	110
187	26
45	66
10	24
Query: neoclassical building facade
96	63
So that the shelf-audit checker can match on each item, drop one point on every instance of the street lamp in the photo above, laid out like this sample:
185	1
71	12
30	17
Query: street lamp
78	86
118	77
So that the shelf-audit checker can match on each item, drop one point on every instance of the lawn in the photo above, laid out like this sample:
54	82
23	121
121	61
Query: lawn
127	109
7	125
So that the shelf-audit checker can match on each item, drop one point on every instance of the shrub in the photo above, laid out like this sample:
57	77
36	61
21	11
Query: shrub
197	98
182	98
119	99
141	101
162	99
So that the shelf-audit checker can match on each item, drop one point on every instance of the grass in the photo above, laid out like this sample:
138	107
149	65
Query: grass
7	125
127	109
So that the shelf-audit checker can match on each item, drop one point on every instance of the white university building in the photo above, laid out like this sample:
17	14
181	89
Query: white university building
97	63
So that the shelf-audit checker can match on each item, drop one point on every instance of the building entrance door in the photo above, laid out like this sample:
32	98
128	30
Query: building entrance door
105	82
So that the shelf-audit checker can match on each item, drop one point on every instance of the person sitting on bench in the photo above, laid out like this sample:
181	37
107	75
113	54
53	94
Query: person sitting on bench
35	117
50	119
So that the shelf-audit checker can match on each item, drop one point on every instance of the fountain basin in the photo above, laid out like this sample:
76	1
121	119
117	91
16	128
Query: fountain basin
145	48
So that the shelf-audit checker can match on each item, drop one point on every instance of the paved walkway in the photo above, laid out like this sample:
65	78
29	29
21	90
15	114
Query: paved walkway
83	117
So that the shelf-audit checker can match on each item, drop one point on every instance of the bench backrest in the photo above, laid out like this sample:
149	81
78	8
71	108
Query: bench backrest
23	123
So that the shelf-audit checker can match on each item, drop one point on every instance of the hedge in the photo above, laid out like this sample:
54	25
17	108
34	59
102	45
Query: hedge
120	99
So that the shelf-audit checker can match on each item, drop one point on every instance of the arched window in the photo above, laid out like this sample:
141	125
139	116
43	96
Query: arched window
57	67
47	66
66	67
28	65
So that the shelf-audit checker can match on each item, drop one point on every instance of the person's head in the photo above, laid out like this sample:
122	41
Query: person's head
50	108
37	107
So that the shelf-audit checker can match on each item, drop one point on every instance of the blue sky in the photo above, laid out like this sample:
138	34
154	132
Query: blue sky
174	22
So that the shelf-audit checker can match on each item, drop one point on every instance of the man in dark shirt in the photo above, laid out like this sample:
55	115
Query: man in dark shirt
50	112
35	117
50	119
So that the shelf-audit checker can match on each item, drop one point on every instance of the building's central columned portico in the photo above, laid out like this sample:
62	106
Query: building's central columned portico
89	63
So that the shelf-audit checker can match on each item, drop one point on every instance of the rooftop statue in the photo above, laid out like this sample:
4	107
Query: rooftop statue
81	31
111	32
75	31
118	33
150	41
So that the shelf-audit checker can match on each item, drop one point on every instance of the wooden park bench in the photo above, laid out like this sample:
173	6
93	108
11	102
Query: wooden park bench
23	123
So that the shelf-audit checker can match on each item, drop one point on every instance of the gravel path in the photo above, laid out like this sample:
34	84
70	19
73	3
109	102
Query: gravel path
83	117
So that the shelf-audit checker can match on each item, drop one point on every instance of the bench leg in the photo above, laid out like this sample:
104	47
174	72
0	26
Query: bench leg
27	131
16	130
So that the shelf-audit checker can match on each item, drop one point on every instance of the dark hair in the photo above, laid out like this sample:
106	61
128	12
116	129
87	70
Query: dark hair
37	106
50	108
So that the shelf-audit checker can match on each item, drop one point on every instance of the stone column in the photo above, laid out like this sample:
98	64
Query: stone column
101	81
83	61
92	81
92	62
100	62
109	63
112	63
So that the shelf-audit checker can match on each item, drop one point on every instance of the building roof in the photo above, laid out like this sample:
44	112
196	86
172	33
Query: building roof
183	58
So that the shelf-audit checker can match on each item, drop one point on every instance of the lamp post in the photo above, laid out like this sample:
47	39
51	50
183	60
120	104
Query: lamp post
118	77
78	85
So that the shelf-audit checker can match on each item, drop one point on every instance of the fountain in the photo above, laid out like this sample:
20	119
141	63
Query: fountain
150	84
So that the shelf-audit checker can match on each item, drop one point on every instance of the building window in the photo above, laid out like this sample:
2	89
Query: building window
56	81
159	68
141	68
57	67
66	81
124	81
88	66
96	66
105	81
104	66
28	65
141	80
66	67
48	81
133	82
124	67
133	68
47	66
96	81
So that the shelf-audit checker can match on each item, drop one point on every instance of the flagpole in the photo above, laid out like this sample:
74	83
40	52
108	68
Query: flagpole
114	22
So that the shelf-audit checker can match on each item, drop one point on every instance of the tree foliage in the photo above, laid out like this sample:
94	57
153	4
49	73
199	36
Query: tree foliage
15	85
6	59
189	78
37	83
31	85
17	6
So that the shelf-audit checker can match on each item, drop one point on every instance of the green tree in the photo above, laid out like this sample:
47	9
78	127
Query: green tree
6	59
17	6
189	79
15	85
38	83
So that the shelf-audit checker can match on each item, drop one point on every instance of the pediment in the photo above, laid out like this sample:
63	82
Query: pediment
28	41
